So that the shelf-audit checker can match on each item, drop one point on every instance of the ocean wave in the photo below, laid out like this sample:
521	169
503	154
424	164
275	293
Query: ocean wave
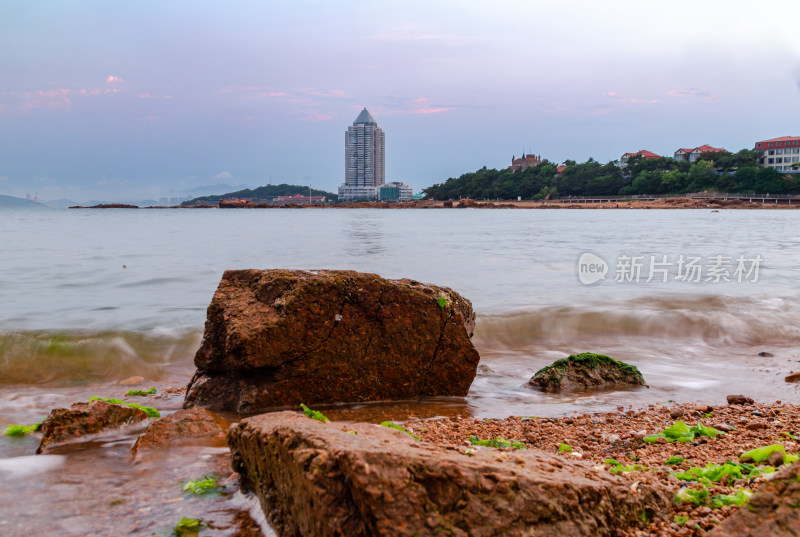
33	357
710	319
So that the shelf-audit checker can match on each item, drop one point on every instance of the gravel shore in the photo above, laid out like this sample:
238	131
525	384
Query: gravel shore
599	438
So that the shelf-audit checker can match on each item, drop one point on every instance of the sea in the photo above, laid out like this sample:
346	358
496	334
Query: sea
704	302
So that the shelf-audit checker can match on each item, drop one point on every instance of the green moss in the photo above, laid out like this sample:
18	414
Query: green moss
564	448
555	372
313	414
201	486
399	428
150	411
674	460
187	526
680	520
141	392
441	302
620	469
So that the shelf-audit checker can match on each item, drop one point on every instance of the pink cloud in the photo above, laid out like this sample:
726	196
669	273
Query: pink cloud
149	119
152	96
271	94
111	79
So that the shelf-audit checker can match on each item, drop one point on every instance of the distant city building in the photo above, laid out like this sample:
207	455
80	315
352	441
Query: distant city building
365	164
395	191
365	160
693	155
647	155
525	162
780	153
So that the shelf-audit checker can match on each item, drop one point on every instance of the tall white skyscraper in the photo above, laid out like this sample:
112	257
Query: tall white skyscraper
365	160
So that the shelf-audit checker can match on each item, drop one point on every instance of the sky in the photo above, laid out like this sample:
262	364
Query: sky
134	100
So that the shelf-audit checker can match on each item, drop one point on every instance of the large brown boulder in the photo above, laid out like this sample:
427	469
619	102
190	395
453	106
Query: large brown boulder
282	337
185	424
67	425
332	479
774	510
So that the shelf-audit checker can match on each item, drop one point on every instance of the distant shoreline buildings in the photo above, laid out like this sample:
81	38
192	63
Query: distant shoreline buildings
365	164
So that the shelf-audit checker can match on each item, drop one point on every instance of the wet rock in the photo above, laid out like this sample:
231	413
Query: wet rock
316	479
282	337
765	354
772	511
587	370
739	400
676	413
194	424
66	425
792	377
775	459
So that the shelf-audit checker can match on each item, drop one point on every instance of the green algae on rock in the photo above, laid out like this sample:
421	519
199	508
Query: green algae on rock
585	370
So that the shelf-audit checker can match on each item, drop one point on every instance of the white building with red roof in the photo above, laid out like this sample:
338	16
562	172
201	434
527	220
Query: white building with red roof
780	153
647	155
693	155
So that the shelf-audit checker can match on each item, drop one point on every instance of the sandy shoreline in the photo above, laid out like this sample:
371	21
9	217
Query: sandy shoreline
598	438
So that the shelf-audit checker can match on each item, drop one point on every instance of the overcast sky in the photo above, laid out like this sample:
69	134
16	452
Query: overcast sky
137	99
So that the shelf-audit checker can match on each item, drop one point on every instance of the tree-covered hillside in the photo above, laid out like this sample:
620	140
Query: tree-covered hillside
720	172
266	193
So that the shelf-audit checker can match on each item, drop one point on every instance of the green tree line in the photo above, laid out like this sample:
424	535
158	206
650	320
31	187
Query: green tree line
267	192
720	172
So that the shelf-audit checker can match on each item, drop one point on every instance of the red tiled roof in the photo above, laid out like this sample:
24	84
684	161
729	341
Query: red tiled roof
781	139
645	154
705	148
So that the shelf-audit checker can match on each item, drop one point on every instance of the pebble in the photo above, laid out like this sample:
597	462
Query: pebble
131	381
765	354
677	413
757	413
739	400
792	377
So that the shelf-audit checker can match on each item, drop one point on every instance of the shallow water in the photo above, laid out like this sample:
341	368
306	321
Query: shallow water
94	296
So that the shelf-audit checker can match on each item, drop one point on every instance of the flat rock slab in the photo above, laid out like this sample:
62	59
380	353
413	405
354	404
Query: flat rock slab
319	479
66	425
194	424
773	511
283	337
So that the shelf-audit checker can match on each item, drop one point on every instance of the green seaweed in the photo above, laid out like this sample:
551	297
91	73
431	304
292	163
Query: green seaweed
564	448
313	414
150	411
680	520
187	526
620	469
399	428
141	392
692	495
613	462
201	486
497	443
712	472
21	430
441	302
739	499
674	460
680	432
761	454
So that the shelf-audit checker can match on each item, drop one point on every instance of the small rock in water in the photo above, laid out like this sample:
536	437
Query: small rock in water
483	368
739	400
765	354
792	377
